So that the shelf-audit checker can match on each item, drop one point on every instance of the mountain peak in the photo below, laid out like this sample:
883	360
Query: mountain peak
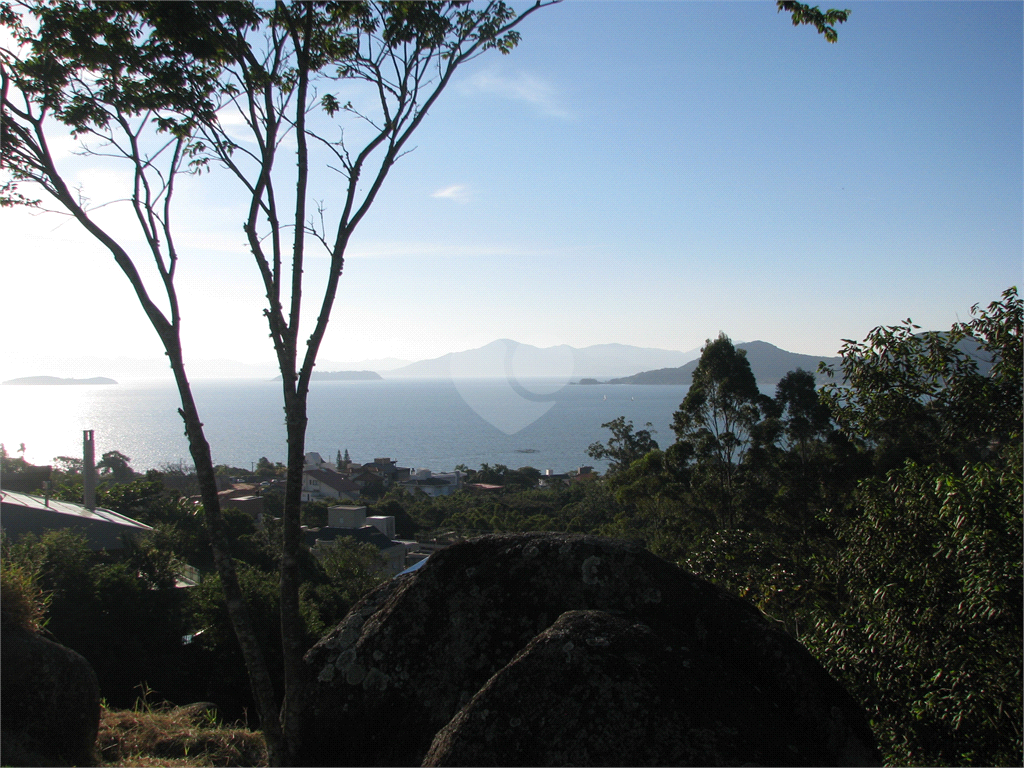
768	363
529	361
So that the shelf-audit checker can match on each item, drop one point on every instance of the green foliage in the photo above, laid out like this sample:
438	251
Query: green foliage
922	396
625	446
929	633
891	545
68	465
350	570
114	465
394	503
582	507
12	464
314	513
22	599
802	415
119	612
266	469
656	474
224	470
823	21
717	420
662	525
775	573
331	586
213	655
926	623
149	82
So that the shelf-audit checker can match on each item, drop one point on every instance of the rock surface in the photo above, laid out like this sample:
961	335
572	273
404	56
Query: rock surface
49	701
551	649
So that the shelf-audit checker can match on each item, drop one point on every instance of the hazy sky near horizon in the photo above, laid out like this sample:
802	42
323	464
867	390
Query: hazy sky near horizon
646	173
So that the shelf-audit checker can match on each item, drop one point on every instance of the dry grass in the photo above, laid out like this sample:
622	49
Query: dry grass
175	736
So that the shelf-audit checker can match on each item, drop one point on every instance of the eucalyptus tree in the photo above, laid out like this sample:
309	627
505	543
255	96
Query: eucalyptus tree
161	88
718	416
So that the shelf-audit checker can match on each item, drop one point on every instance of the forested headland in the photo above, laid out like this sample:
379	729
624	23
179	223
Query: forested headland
877	519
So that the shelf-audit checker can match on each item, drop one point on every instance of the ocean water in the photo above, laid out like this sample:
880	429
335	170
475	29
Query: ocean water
429	423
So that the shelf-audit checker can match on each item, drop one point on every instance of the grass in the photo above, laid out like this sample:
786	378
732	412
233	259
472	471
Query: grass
164	735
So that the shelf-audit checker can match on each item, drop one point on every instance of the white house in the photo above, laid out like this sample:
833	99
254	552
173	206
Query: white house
433	485
325	484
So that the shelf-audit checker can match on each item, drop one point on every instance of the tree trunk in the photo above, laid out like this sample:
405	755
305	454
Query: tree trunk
293	636
255	662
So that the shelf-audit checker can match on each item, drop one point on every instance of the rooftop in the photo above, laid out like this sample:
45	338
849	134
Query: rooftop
71	509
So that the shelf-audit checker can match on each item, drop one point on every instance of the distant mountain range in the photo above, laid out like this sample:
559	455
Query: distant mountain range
769	364
504	358
342	376
501	359
56	381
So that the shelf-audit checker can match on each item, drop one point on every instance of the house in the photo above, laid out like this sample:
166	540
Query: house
388	471
21	513
551	479
314	460
326	484
370	482
351	523
441	484
583	475
244	498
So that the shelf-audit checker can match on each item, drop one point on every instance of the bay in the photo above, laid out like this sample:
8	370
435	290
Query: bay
421	423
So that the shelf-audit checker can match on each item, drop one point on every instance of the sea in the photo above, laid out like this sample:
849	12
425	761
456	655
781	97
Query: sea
433	424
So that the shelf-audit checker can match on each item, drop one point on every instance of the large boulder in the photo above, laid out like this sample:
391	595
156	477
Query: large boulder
597	689
539	649
49	701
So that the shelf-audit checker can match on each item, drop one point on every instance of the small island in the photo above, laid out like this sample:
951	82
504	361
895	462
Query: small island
344	376
588	381
54	380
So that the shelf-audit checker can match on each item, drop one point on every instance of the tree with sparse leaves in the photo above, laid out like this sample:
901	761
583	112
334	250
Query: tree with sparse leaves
150	85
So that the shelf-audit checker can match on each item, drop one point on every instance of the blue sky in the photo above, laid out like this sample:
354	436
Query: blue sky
647	173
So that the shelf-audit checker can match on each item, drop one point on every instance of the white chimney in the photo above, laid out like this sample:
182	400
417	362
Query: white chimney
89	469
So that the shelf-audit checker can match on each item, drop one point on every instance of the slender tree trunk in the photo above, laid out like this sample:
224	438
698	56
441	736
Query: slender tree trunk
293	636
255	662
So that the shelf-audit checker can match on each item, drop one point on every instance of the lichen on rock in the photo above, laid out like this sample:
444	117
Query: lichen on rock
598	650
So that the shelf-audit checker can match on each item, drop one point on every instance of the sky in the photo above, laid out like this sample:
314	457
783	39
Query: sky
643	173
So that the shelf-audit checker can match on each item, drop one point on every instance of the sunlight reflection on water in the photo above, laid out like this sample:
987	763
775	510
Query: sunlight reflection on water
420	423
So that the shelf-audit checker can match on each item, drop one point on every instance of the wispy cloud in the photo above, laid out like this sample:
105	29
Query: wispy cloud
520	86
460	193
